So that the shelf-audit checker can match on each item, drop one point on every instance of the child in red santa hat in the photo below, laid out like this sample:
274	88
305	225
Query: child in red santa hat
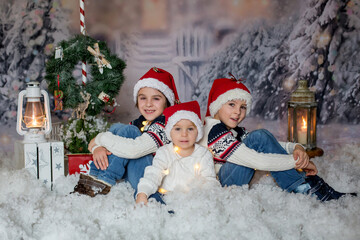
126	150
178	163
238	153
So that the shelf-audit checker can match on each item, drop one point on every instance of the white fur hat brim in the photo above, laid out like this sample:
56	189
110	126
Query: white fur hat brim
158	85
228	96
179	115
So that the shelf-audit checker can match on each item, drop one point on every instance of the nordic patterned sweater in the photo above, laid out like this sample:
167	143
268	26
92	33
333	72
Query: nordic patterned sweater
152	138
226	145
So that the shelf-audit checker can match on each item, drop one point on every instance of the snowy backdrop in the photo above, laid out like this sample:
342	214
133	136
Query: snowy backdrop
320	44
270	43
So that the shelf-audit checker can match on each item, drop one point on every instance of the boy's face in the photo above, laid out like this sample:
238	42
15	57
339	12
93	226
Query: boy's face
232	113
151	103
183	135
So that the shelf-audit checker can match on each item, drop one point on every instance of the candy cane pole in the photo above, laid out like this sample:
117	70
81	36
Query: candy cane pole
82	30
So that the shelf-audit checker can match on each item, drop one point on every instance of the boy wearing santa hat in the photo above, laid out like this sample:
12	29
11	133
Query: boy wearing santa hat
125	150
178	163
238	153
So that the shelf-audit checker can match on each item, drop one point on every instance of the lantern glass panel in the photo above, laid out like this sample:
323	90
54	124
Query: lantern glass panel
313	127
291	137
34	116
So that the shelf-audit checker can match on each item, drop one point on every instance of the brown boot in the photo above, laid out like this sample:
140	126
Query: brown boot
91	186
80	188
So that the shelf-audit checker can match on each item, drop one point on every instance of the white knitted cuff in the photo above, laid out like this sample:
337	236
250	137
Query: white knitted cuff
93	149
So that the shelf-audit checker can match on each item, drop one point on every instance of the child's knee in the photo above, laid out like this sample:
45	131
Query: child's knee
116	127
258	134
125	130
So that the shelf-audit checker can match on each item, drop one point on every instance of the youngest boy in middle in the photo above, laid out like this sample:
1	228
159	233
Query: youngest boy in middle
176	164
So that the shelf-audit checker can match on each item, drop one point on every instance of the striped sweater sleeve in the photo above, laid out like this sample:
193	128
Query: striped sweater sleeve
225	147
152	138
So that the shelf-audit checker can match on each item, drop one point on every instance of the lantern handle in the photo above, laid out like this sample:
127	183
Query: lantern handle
48	126
20	113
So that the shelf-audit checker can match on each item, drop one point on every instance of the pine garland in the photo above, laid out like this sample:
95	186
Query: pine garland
75	51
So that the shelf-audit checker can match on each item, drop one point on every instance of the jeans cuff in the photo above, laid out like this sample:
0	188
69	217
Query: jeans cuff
295	185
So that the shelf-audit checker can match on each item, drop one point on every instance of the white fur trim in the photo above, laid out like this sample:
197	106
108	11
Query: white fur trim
154	83
228	96
182	114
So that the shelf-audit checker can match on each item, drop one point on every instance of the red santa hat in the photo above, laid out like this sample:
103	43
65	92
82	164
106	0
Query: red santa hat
160	80
224	90
189	111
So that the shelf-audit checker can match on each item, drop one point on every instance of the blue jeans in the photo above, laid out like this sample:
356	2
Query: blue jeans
122	168
264	142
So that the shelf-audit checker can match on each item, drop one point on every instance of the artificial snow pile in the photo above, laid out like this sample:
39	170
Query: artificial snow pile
30	211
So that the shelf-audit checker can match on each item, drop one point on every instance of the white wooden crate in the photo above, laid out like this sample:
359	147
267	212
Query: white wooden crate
44	161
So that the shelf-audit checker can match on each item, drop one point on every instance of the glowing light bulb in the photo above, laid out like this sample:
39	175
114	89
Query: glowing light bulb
166	172
176	148
162	191
144	123
197	166
197	169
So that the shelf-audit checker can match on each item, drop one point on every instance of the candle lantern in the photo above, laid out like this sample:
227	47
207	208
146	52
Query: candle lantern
302	119
35	121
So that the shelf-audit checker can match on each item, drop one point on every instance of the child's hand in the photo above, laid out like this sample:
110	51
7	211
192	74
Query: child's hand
91	144
310	169
300	153
100	158
141	198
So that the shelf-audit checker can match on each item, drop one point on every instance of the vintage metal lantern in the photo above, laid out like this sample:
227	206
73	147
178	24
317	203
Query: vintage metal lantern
302	117
35	121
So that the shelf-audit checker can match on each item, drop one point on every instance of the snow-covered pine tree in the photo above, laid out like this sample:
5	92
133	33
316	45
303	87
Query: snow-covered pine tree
28	31
259	56
324	50
321	46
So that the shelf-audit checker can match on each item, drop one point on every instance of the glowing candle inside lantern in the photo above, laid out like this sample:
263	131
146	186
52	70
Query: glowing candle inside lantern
34	116
302	134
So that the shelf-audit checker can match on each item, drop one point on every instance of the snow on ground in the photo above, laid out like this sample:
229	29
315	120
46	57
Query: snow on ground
30	211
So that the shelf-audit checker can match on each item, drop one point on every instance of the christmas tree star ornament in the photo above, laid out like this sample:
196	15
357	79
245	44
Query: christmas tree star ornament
99	57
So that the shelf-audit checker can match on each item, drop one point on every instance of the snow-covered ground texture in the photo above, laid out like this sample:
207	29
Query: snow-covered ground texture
30	211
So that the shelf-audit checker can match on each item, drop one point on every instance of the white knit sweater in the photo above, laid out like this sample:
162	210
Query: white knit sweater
169	170
250	158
